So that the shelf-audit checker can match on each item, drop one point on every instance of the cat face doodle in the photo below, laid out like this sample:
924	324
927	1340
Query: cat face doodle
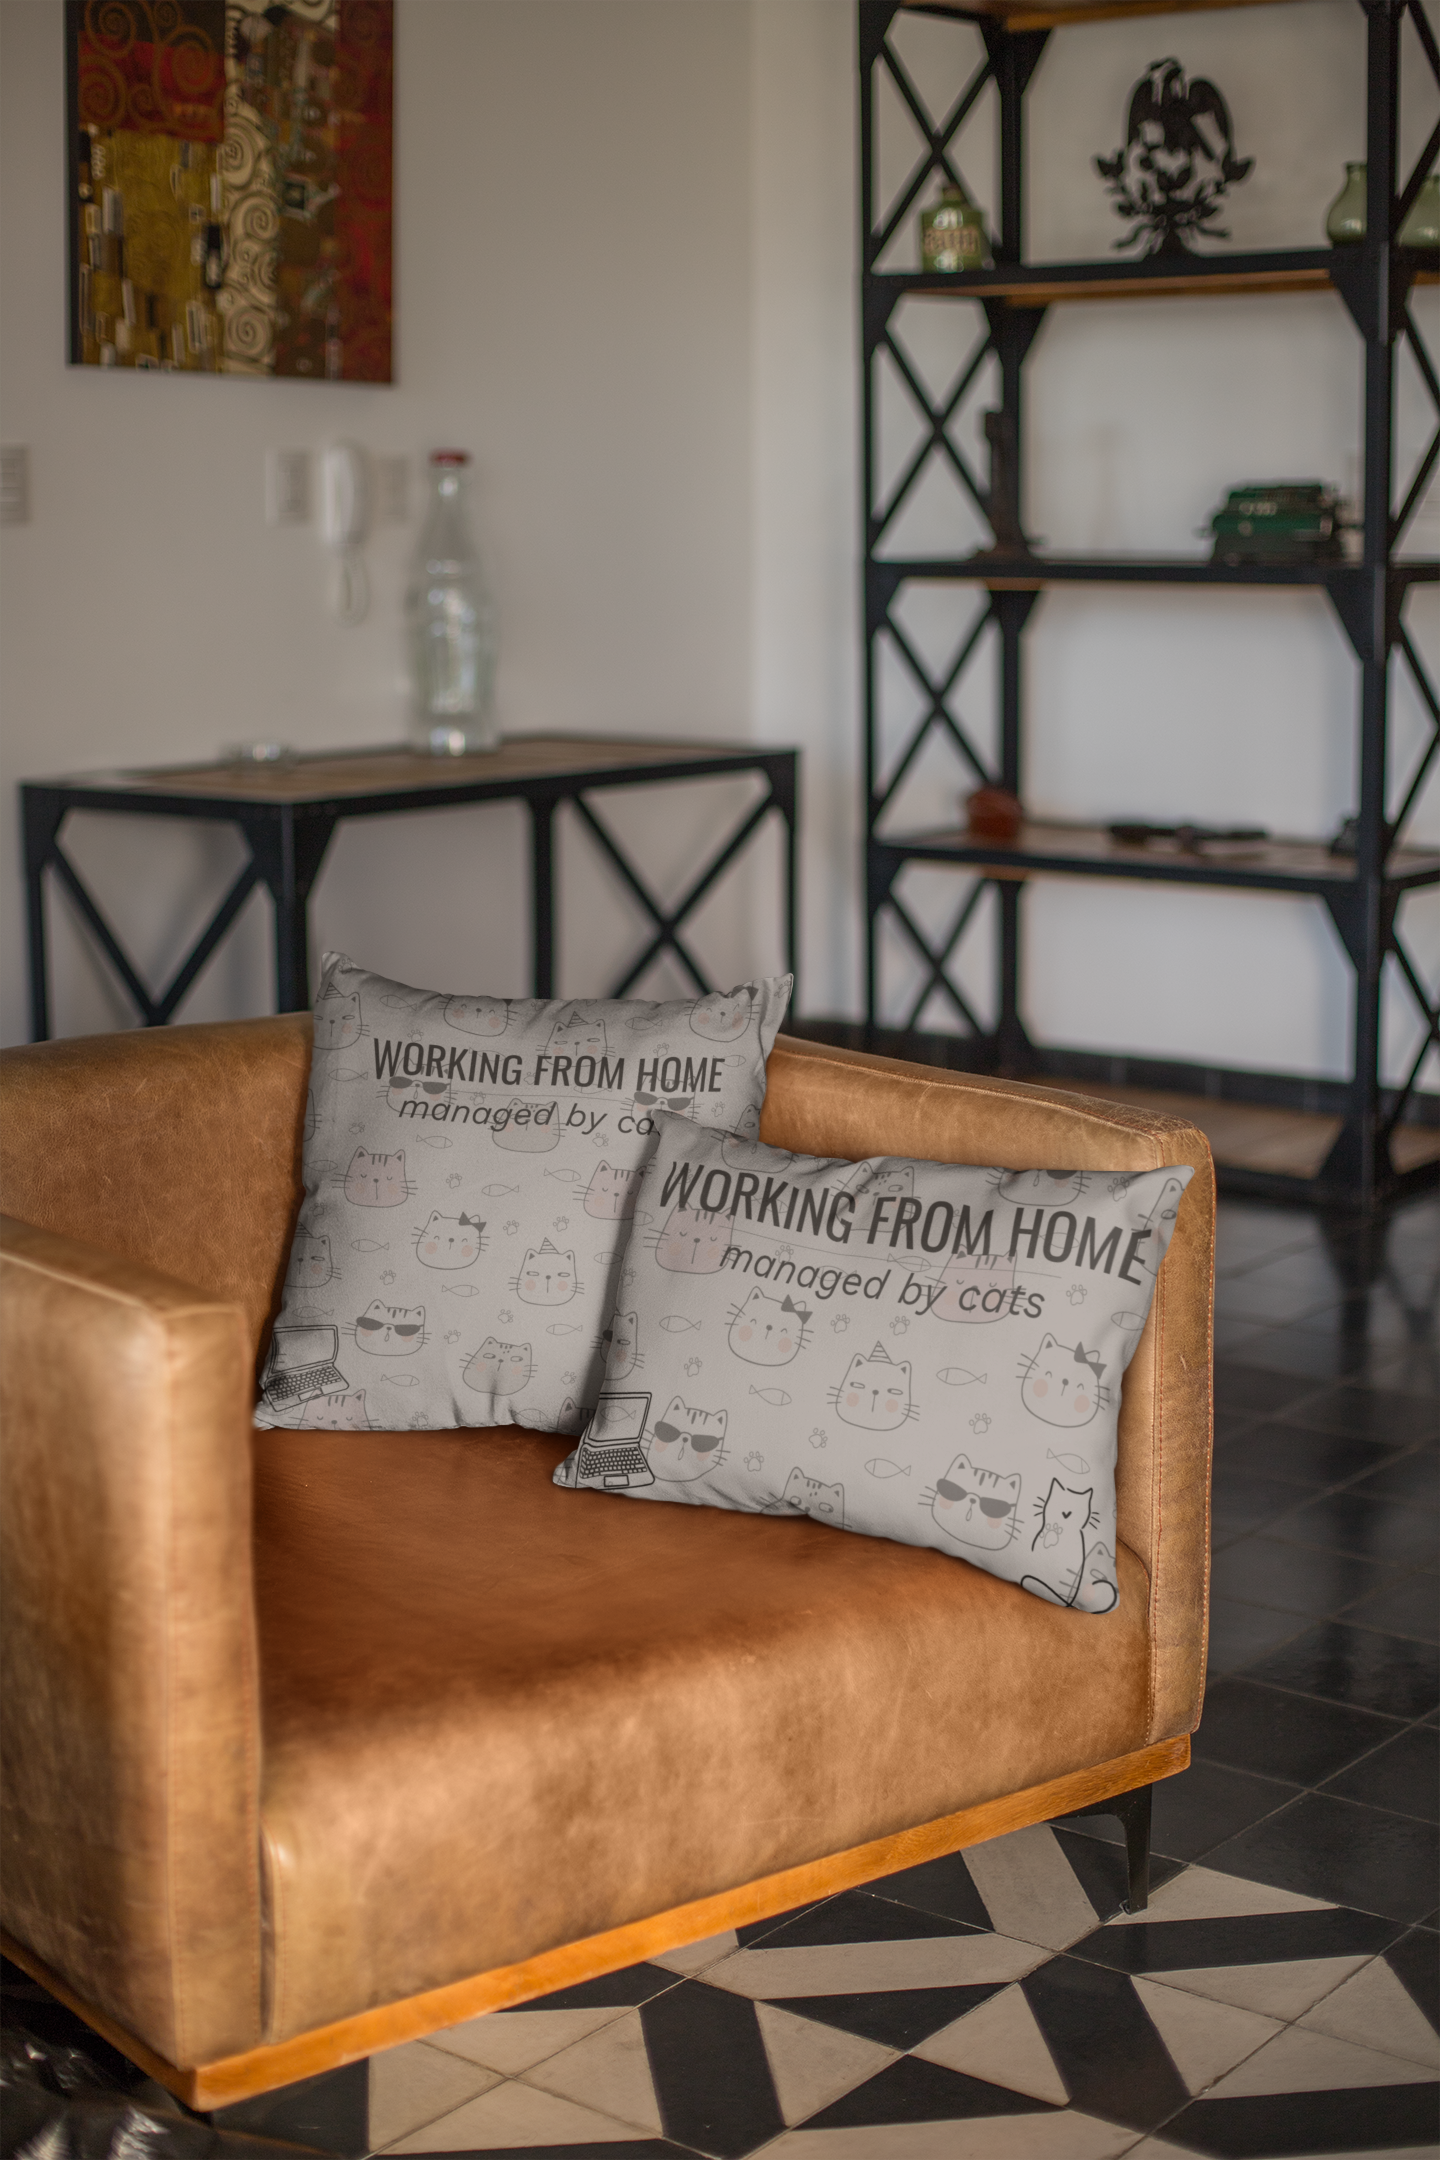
721	1018
546	1277
610	1195
527	1128
336	1413
747	1123
1060	1384
975	1506
693	1242
415	1096
1169	1200
875	1393
390	1330
575	1036
621	1342
768	1330
974	1288
337	1019
1059	1548
450	1241
310	1262
808	1496
1048	1188
499	1368
898	1180
376	1180
686	1442
477	1015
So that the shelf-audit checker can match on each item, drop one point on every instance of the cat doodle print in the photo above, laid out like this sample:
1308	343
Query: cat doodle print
920	1351
472	1167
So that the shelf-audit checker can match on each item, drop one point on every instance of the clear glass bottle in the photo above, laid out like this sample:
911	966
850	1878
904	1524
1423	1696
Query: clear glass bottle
450	625
952	233
1345	220
1421	228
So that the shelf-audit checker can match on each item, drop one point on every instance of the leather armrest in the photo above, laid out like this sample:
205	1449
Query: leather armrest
824	1101
131	1753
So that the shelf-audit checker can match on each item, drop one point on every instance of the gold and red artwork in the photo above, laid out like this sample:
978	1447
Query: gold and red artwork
231	186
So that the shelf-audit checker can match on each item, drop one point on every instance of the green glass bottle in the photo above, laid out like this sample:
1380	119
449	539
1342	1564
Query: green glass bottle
952	233
1421	228
1345	223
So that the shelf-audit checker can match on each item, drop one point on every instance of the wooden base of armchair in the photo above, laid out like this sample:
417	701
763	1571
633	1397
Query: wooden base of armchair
261	2069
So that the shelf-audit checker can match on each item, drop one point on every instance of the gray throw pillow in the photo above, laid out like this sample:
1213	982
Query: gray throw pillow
913	1350
471	1165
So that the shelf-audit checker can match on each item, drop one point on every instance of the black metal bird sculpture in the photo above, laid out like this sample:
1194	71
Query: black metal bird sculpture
1177	163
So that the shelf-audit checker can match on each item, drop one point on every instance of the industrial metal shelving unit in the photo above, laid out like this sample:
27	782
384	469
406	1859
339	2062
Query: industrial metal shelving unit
1363	893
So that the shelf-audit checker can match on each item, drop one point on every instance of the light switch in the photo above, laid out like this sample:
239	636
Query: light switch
15	484
392	489
287	487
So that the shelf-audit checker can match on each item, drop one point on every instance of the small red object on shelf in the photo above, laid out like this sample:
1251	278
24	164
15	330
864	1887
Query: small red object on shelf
994	813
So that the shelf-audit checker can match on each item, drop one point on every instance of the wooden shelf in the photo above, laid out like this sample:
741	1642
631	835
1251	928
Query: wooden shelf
1046	848
1031	573
1258	1138
1148	277
1025	15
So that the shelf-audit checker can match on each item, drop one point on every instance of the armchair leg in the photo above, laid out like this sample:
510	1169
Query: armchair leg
1132	1811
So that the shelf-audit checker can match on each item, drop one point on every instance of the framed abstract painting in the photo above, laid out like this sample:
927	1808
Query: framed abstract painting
230	186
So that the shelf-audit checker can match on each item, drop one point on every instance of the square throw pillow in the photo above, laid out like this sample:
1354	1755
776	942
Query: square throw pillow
471	1165
913	1350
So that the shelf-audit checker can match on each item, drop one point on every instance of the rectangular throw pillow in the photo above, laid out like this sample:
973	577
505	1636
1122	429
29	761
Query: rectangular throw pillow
470	1169
913	1350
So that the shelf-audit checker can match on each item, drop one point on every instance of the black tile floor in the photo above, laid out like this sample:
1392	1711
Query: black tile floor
1278	1998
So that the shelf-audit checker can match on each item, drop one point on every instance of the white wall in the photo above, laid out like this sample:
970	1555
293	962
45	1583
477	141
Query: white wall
664	426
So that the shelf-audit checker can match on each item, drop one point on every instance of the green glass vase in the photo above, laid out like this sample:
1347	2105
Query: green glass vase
1421	228
1345	221
952	233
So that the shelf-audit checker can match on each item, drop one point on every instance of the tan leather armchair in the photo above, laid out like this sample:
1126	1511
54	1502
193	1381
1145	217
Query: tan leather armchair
316	1742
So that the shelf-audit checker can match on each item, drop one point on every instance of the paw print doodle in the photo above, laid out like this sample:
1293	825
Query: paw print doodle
628	1277
505	1314
568	1379
419	1424
1076	1293
511	1227
754	1460
562	1222
819	1437
1117	1186
387	1274
453	1180
899	1325
692	1366
787	1252
840	1322
358	1126
453	1335
980	1423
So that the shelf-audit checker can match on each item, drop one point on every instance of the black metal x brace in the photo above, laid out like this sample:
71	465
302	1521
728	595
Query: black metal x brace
668	920
938	139
938	711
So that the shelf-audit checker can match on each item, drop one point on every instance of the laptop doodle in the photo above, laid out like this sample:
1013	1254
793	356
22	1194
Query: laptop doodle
610	1447
301	1364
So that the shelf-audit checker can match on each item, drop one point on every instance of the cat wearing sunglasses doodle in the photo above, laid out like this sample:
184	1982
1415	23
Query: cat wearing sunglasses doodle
975	1506
390	1330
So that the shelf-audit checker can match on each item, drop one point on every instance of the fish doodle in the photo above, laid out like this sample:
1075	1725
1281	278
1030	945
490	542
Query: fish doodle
395	998
563	1327
673	1324
957	1376
434	1140
881	1466
345	1073
566	1177
459	1289
401	1379
498	1192
1076	1464
369	1244
773	1395
1128	1319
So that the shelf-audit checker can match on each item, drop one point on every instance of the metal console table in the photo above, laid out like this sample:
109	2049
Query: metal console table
288	815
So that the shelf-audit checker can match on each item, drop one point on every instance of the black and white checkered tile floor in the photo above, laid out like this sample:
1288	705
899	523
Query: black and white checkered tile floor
1279	1998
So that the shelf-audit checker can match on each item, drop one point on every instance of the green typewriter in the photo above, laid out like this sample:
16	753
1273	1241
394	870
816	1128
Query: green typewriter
1274	521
